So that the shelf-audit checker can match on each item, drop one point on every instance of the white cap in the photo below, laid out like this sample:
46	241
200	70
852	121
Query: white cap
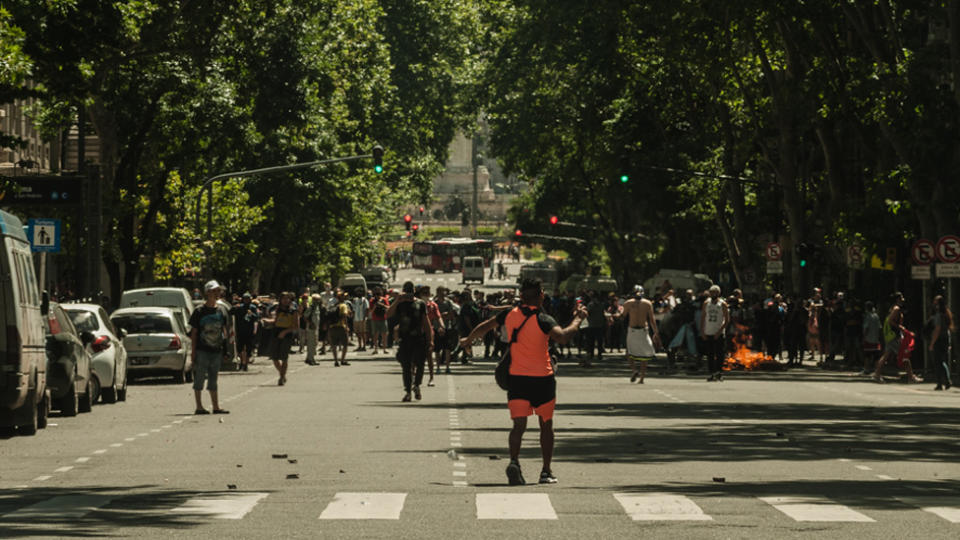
638	290
211	285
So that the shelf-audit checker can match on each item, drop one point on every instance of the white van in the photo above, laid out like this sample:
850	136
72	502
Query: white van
472	269
24	400
171	297
351	282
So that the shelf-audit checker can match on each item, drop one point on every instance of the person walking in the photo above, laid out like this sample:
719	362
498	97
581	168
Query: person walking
338	335
246	316
872	347
208	338
640	323
893	332
436	321
378	320
416	338
286	322
311	315
361	309
940	341
532	382
714	318
448	334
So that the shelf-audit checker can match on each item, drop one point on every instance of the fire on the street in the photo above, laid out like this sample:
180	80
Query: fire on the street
743	358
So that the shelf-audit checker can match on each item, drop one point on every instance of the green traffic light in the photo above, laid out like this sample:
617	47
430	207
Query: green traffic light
624	178
378	169
803	263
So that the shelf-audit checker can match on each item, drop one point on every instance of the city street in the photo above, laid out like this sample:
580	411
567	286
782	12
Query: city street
335	454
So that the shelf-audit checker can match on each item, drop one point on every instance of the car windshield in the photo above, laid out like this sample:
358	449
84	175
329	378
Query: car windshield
83	320
144	323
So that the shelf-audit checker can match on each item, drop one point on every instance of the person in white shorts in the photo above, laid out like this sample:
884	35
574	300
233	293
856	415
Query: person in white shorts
639	313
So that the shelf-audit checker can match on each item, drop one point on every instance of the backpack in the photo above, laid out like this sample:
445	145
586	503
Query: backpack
378	308
410	319
502	373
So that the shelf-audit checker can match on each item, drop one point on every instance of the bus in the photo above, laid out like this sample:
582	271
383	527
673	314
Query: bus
446	254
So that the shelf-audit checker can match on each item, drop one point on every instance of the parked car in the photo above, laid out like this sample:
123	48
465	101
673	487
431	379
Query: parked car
70	379
376	276
157	343
109	360
24	400
352	282
472	269
171	297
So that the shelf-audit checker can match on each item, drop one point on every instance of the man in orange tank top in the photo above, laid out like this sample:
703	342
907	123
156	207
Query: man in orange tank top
533	387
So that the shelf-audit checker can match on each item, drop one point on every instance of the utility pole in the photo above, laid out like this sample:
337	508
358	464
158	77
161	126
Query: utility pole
475	200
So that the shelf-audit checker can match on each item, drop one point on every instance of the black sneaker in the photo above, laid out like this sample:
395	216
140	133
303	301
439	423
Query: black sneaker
344	363
514	475
547	477
633	378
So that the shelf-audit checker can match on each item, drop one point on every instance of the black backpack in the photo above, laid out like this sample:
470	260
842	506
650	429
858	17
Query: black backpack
410	319
502	373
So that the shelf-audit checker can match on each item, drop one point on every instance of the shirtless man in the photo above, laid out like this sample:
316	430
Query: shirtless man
639	313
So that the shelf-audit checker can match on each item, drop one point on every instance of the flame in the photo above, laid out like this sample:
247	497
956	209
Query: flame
742	358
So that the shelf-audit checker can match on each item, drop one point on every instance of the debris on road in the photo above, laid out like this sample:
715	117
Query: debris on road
720	479
231	486
293	477
279	456
494	458
291	461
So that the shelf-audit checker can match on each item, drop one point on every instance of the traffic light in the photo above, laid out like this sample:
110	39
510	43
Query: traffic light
378	159
554	220
518	233
415	229
624	178
804	253
421	209
407	218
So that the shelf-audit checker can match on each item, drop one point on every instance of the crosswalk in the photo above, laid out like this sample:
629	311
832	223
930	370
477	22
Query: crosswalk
637	506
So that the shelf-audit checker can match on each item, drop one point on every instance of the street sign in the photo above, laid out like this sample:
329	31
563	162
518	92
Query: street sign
948	270
774	267
948	249
920	272
855	256
774	251
44	235
923	252
44	190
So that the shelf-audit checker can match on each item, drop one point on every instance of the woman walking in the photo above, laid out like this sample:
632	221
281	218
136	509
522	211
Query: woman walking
942	322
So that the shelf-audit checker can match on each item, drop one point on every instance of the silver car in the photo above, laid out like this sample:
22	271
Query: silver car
109	362
156	342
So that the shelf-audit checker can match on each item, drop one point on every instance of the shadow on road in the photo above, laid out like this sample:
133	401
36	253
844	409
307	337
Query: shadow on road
126	507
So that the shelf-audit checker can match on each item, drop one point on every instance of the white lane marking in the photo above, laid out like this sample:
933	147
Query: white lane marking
814	509
884	477
154	431
459	483
130	439
514	506
101	451
178	421
863	467
43	478
168	426
23	486
459	473
454	438
116	445
221	506
946	507
64	506
660	507
457	433
736	421
365	506
64	469
143	434
844	460
460	464
456	445
83	459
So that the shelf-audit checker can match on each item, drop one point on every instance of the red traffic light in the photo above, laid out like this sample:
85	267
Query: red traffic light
416	227
421	210
554	220
518	232
407	218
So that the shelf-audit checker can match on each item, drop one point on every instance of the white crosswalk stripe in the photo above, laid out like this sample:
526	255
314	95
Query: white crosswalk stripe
514	506
365	506
946	507
814	509
63	506
221	506
660	507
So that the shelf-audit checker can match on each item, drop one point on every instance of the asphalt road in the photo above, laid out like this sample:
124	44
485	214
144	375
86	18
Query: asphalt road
798	454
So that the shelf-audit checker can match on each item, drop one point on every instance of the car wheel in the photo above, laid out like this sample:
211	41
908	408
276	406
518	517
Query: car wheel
69	404
122	392
89	395
110	393
43	411
30	427
180	377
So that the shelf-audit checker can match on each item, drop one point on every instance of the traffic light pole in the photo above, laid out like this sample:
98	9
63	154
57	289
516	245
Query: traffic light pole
208	183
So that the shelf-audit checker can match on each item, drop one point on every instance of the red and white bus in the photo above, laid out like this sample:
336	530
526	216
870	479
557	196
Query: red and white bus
446	254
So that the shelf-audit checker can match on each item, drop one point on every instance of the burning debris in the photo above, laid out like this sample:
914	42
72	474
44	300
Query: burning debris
743	358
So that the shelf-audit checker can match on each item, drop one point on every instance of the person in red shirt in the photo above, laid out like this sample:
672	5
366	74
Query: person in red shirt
436	321
378	319
532	384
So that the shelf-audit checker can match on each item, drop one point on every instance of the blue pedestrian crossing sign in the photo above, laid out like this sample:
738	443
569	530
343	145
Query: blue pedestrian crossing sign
44	235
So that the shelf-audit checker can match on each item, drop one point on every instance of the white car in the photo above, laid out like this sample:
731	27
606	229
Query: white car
109	362
156	342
